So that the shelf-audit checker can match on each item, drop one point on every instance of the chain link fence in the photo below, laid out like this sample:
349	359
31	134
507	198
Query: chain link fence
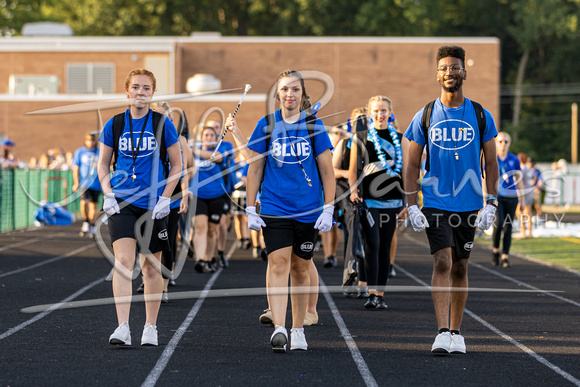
21	190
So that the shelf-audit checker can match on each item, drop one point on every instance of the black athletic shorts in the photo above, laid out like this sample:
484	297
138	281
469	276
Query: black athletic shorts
213	208
284	232
91	195
451	229
123	225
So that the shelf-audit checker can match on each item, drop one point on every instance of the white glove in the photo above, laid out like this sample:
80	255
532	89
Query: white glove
418	220
324	221
254	220
161	209
486	217
110	205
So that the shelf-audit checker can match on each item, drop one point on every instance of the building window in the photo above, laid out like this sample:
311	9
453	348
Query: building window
90	78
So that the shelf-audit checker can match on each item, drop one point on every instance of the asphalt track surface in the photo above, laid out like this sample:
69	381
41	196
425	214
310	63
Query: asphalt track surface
517	334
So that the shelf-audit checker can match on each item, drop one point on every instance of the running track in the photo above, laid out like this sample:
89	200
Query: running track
517	334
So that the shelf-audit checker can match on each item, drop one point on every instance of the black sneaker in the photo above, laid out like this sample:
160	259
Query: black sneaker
495	259
381	304
200	266
330	262
223	262
505	262
392	272
264	255
141	288
371	302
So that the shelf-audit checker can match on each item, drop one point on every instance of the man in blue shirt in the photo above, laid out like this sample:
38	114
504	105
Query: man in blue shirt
86	178
452	191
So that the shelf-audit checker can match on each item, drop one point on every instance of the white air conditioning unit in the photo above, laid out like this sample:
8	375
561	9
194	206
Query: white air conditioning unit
33	85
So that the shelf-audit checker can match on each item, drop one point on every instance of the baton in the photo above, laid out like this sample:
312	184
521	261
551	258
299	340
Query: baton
248	87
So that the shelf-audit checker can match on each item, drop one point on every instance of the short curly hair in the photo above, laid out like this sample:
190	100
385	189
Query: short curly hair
451	51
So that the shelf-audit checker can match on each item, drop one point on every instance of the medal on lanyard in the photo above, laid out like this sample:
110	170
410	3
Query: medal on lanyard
135	150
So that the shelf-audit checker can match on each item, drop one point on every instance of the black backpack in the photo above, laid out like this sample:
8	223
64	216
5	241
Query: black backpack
426	123
119	126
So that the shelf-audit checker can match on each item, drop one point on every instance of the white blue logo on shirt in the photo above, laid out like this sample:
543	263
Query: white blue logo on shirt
451	134
146	147
289	150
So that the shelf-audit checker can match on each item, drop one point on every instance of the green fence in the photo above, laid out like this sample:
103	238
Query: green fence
22	189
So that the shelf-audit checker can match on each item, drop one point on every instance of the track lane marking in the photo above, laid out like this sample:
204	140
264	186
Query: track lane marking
51	260
498	332
163	360
56	306
362	366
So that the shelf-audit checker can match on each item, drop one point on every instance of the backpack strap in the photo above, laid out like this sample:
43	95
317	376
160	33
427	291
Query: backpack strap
159	132
271	122
425	124
361	131
481	123
119	126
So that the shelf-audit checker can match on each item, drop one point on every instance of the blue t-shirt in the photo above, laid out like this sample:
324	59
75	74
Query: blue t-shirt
208	182
507	168
285	191
452	185
150	177
86	160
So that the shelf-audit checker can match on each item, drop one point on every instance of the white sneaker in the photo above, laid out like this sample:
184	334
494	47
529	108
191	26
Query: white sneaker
84	229
279	339
442	343
298	340
457	344
121	336
149	335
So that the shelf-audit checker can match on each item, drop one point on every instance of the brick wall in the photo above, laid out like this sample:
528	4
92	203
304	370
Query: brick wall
402	70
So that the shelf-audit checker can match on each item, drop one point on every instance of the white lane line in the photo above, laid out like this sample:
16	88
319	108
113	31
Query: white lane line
498	332
508	278
362	366
519	283
30	241
156	372
48	311
69	254
525	349
19	244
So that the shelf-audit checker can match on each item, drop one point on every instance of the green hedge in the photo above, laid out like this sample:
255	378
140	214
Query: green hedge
16	209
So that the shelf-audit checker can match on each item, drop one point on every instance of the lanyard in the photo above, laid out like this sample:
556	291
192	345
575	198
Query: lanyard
296	153
135	150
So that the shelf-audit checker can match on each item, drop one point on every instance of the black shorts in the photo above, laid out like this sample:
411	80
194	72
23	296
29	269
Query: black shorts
91	195
212	208
451	229
284	232
123	225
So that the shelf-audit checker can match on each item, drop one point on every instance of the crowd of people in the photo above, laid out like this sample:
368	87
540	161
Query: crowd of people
293	179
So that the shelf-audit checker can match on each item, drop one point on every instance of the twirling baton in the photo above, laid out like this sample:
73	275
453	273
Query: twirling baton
248	87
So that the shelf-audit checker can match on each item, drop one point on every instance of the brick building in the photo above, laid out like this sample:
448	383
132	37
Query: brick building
49	72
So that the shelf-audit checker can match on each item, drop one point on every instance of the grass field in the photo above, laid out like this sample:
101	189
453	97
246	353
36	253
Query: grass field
562	251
